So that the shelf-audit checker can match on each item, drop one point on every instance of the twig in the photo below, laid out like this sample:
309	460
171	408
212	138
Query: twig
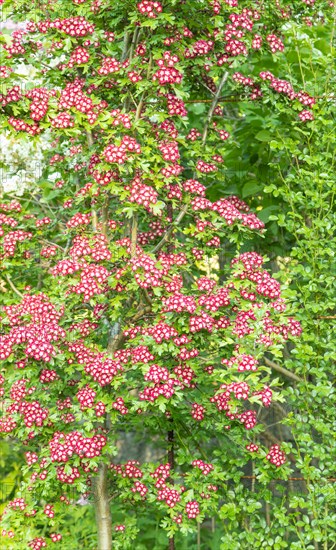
207	88
170	229
198	536
139	107
213	106
134	42
327	317
67	247
93	210
134	233
125	46
117	337
282	370
331	479
105	216
147	297
94	218
52	244
13	287
89	138
228	98
143	95
141	313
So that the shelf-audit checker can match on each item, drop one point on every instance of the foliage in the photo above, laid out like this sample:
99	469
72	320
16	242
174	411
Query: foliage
129	322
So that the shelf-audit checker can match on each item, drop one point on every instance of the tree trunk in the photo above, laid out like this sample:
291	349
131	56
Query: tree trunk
103	514
171	461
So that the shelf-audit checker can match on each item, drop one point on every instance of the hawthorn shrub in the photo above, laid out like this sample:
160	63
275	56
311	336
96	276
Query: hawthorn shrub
289	169
121	324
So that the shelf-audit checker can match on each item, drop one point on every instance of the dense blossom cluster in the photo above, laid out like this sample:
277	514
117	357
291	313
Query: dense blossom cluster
141	193
92	277
232	209
118	153
175	106
73	96
38	333
242	363
192	509
63	446
12	238
73	26
109	65
276	456
149	8
79	56
275	43
96	364
130	469
179	302
198	412
12	95
21	126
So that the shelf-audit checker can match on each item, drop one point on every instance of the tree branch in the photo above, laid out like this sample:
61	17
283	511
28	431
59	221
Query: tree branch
327	317
282	370
134	42
125	46
52	244
134	233
213	106
93	210
169	231
13	287
105	216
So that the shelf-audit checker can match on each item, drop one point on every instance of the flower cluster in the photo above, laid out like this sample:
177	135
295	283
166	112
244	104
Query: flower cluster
119	118
141	193
203	466
72	26
197	412
201	47
79	56
192	509
167	73
12	95
119	405
170	151
38	333
275	43
130	469
118	153
149	8
109	65
73	96
101	368
284	87
12	238
21	126
276	456
63	446
175	106
86	397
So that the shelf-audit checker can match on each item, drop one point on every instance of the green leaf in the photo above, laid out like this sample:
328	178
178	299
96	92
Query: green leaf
263	135
250	188
265	213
